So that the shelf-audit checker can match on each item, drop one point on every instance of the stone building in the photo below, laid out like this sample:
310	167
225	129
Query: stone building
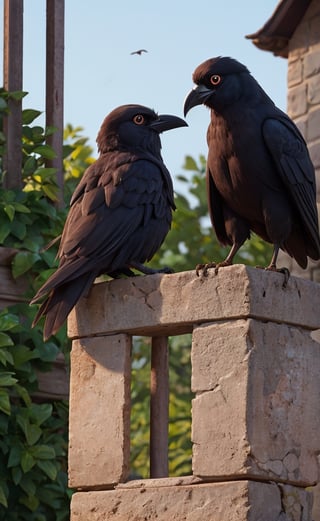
293	32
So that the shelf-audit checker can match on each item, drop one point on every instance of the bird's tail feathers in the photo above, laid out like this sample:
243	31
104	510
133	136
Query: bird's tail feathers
64	274
60	302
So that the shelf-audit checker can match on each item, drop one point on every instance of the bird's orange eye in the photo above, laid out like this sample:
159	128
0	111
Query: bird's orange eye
215	79
139	119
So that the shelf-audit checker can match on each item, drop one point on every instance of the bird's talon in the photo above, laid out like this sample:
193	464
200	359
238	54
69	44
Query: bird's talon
204	268
283	270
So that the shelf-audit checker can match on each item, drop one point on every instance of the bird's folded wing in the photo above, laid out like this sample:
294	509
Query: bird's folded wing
289	152
104	216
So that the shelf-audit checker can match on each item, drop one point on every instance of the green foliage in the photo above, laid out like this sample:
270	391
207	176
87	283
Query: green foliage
33	444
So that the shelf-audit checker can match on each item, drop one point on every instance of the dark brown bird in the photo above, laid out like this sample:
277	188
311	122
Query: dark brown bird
140	51
259	174
120	212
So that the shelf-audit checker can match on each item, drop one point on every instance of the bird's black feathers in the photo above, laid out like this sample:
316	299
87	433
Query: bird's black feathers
120	212
259	174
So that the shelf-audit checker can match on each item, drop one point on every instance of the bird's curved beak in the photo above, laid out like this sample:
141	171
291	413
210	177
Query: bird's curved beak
197	96
167	122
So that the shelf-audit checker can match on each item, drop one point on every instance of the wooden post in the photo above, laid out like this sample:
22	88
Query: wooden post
12	77
159	407
54	86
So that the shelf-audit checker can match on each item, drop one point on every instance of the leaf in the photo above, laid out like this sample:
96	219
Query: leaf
31	432
43	452
6	379
9	209
8	321
50	191
16	475
30	166
45	151
21	208
40	413
3	498
22	262
48	468
17	94
5	229
190	164
5	356
14	456
22	354
19	230
23	393
5	340
31	502
27	461
45	173
29	115
5	402
27	485
3	105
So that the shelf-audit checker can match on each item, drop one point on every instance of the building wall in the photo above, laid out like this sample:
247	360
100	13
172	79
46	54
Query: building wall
304	102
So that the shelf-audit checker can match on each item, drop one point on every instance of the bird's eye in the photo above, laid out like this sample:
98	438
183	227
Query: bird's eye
215	79
139	119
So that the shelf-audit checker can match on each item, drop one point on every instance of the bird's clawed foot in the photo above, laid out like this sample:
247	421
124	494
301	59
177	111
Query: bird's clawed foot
285	272
203	268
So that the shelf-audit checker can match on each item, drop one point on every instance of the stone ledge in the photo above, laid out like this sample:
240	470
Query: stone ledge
231	501
172	304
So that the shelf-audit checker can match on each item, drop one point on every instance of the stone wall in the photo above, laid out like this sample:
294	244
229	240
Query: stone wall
256	411
304	102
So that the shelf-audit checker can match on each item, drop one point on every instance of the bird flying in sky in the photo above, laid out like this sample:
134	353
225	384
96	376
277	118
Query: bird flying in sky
120	212
139	52
260	176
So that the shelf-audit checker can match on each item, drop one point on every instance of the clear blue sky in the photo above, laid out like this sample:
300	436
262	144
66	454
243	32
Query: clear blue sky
100	73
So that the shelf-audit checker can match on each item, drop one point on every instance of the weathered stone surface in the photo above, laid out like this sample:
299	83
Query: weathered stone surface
99	439
257	409
169	304
313	128
313	90
229	501
295	75
311	63
297	100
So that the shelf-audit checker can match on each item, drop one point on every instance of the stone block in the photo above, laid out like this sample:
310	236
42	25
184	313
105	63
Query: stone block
311	63
302	124
230	501
169	304
297	100
313	90
99	421
295	75
257	408
313	124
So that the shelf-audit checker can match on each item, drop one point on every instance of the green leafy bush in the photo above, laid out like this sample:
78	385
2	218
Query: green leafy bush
34	436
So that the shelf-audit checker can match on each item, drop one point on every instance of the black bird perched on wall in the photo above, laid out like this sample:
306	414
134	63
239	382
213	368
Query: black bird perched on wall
259	173
120	212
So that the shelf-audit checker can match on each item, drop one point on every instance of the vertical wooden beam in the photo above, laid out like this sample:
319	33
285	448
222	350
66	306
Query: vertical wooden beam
159	408
12	77
54	85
